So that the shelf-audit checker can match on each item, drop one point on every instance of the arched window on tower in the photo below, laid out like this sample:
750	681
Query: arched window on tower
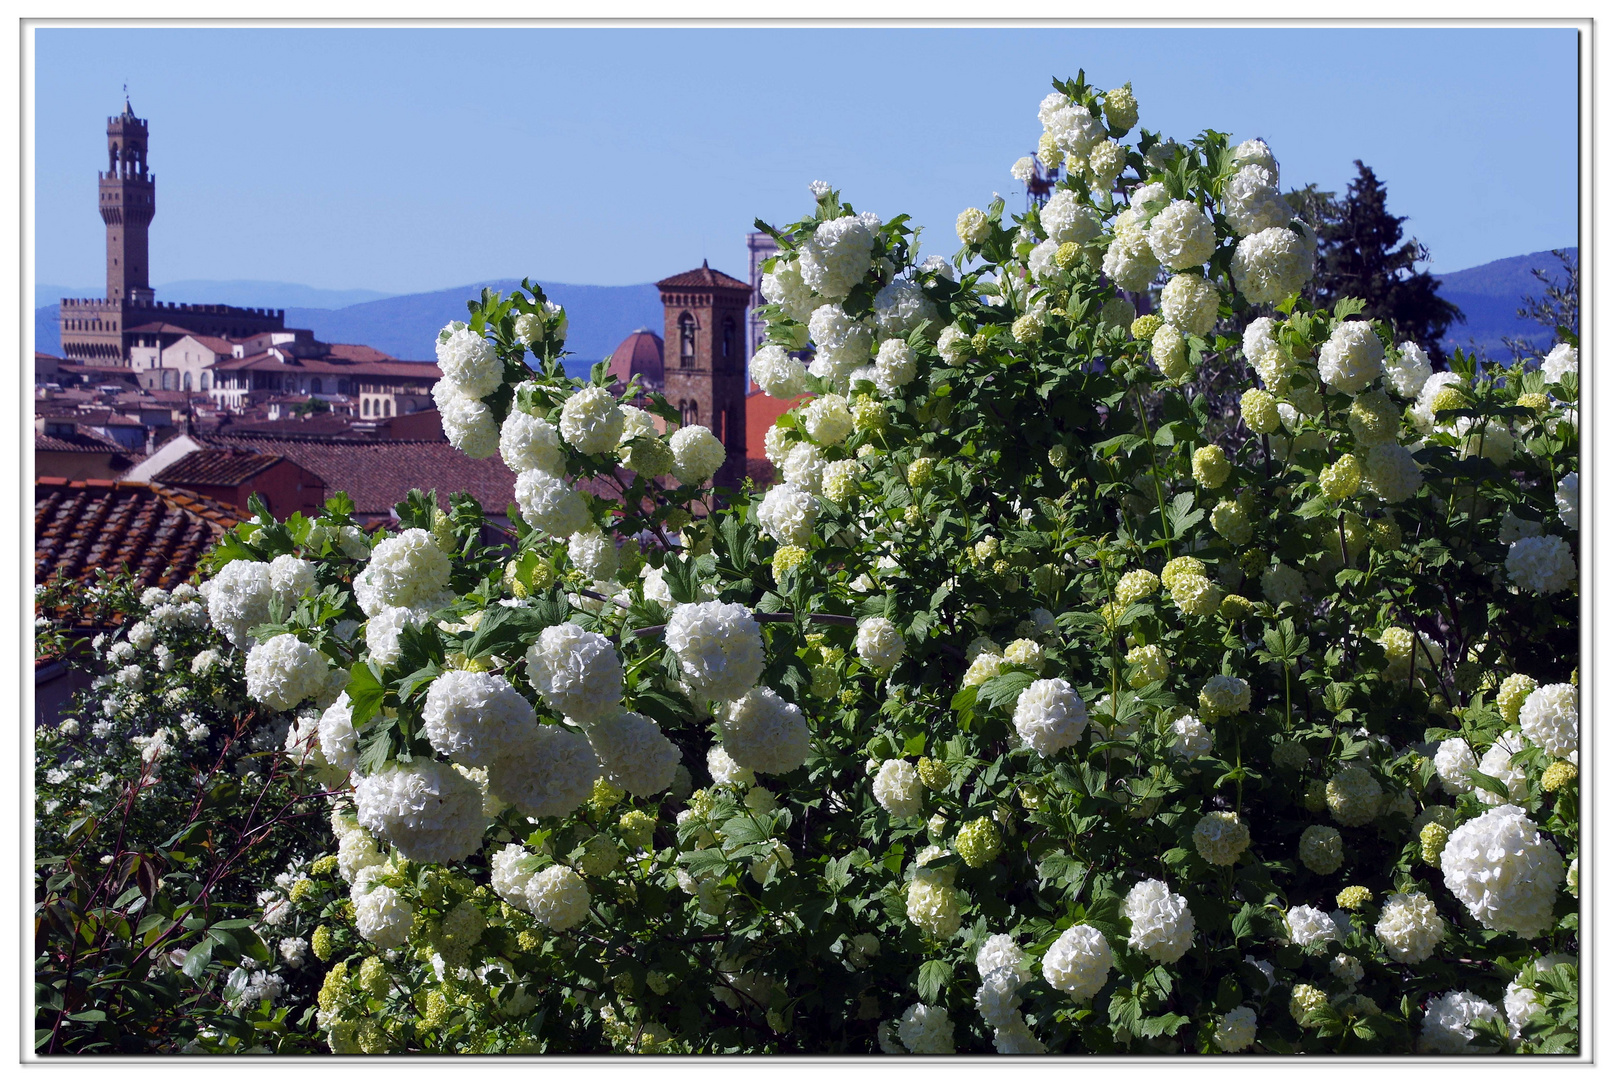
187	381
686	337
727	337
388	404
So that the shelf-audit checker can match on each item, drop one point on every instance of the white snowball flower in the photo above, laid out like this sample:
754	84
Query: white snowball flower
1562	359
725	770
1523	1004
925	1029
576	671
383	917
1049	716
284	671
548	503
1190	738
468	360
827	419
1452	761
1392	472
1235	1031
718	646
557	897
1023	169
428	811
803	467
1422	411
999	953
1256	152
474	717
1504	871
1410	927
239	599
593	553
1190	303
1074	129
1252	202
383	632
843	341
1161	925
508	877
696	454
530	442
784	286
591	420
1220	837
998	999
337	739
1542	564
788	513
1068	220
1078	963
1182	235
1550	719
763	732
879	643
1269	359
1568	500
1350	358
1446	1023
467	423
290	579
355	851
1309	926
1410	371
633	753
1129	262
1272	265
777	373
898	789
549	773
837	256
408	570
900	307
894	367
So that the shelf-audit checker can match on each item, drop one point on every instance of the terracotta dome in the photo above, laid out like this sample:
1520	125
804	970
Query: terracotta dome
639	354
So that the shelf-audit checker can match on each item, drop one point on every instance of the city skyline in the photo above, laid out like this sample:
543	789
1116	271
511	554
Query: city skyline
410	160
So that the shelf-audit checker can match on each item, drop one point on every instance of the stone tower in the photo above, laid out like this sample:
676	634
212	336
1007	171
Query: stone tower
128	201
704	357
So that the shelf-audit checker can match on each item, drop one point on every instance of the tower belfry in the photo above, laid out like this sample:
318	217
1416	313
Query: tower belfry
128	202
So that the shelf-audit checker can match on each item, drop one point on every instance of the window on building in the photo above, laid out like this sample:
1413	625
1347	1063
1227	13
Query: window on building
693	416
366	406
686	336
318	386
187	380
388	404
727	336
204	380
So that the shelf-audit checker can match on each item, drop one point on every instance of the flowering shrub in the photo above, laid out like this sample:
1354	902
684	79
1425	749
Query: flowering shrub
1037	708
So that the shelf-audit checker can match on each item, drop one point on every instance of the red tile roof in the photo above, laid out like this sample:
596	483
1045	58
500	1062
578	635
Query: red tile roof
157	532
703	278
219	346
159	328
81	441
222	467
378	475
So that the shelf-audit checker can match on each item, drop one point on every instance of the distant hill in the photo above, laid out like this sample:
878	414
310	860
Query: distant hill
600	316
1490	295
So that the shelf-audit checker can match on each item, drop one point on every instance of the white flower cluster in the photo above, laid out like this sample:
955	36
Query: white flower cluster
718	646
285	671
926	1029
557	897
1161	924
405	571
776	373
475	718
1190	303
1309	925
1050	716
1078	963
1452	760
1562	360
764	733
577	672
338	740
1273	264
530	442
1504	871
383	917
1252	202
549	773
696	454
1351	358
1446	1023
633	753
1392	472
1549	719
787	513
897	788
548	503
1541	564
879	643
471	370
1182	235
592	421
837	256
1235	1031
239	595
1410	927
424	808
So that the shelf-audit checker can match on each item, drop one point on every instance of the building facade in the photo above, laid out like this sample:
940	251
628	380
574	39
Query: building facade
703	357
761	247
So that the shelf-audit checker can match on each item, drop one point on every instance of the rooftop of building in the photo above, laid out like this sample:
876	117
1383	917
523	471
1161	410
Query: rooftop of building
640	353
703	278
223	468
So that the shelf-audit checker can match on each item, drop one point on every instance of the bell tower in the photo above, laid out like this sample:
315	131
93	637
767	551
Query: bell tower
128	201
703	365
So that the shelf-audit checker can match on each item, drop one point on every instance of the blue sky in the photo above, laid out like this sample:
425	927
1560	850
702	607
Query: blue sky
411	159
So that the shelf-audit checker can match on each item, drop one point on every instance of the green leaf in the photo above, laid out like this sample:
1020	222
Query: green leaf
933	977
365	691
1490	783
197	959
